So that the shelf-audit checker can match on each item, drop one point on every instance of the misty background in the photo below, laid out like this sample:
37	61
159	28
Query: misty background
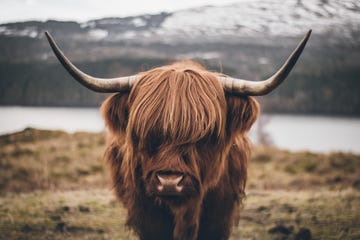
245	39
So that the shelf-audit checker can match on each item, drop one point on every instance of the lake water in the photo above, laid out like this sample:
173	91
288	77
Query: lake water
292	132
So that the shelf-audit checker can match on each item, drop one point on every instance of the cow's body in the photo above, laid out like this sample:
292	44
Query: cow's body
181	123
219	209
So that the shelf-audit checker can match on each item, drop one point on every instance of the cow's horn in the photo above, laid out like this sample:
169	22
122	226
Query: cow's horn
93	83
251	88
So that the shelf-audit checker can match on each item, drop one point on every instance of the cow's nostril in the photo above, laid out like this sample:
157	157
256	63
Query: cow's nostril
170	179
169	183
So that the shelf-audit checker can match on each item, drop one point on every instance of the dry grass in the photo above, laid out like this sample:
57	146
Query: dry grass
281	214
54	185
272	169
51	160
72	214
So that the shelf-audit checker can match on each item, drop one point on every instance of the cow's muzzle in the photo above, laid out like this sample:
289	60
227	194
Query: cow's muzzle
172	185
169	184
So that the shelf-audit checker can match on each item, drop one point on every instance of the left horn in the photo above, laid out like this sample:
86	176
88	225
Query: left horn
96	84
251	88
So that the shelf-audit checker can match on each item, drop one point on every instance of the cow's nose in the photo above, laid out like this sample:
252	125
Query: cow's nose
169	183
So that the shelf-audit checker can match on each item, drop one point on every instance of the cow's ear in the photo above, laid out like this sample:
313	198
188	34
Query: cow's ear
115	111
242	111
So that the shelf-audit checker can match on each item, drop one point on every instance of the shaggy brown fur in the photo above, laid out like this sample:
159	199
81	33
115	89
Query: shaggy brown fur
177	118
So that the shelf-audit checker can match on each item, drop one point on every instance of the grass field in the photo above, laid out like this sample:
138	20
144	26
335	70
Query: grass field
54	185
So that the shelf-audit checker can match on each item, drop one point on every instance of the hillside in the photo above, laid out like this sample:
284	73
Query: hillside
249	39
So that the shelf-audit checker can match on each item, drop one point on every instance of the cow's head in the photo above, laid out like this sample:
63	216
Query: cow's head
176	124
176	127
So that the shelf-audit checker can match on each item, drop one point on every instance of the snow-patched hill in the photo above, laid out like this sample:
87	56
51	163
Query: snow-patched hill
271	17
249	39
246	18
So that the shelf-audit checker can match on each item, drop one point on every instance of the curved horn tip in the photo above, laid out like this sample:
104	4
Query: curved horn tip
47	34
96	84
245	87
308	34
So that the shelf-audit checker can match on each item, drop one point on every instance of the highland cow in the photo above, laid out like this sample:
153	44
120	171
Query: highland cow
178	149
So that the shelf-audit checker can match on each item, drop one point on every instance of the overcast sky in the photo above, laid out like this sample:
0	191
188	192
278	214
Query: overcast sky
83	10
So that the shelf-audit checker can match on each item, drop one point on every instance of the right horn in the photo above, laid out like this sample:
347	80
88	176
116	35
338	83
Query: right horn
107	85
251	88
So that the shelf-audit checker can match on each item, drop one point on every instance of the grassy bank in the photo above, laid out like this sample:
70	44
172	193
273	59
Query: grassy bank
54	185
